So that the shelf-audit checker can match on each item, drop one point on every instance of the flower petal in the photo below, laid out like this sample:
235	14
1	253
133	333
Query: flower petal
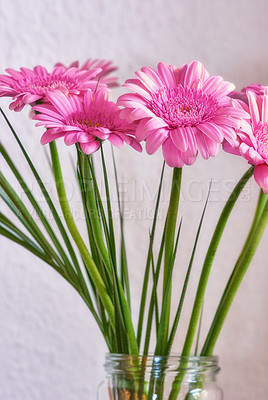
48	137
233	112
171	154
141	133
155	139
137	86
90	147
261	176
60	101
136	145
253	107
212	84
166	74
153	75
179	137
70	138
147	81
147	125
206	146
192	145
229	134
194	72
116	140
230	149
212	131
264	116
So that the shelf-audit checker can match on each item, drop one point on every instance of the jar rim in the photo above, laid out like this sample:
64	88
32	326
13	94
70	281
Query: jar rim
173	363
172	356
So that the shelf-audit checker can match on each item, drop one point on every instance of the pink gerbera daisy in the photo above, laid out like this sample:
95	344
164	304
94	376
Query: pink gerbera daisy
252	137
183	109
28	86
88	119
254	87
106	66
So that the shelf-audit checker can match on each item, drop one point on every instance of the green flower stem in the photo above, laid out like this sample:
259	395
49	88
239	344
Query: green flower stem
169	245
123	254
153	302
29	221
149	260
186	281
29	245
259	209
45	193
89	263
93	212
111	241
259	223
27	191
9	230
209	260
97	232
197	307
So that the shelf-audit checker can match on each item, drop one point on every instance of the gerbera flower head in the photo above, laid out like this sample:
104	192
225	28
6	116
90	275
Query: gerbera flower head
88	119
183	109
254	87
252	137
28	86
106	66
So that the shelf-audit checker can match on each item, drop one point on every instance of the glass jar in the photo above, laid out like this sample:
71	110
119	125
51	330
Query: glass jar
131	377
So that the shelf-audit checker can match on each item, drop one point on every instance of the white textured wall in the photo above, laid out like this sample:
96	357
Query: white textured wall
50	348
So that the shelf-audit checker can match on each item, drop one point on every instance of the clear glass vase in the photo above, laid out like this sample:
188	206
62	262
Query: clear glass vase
160	378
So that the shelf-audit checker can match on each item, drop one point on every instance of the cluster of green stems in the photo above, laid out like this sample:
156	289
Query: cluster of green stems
101	278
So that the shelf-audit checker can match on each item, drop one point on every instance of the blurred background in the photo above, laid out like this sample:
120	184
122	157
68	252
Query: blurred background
50	347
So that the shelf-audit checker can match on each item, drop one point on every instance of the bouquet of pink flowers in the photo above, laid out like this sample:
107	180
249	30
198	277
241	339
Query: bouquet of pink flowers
183	110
